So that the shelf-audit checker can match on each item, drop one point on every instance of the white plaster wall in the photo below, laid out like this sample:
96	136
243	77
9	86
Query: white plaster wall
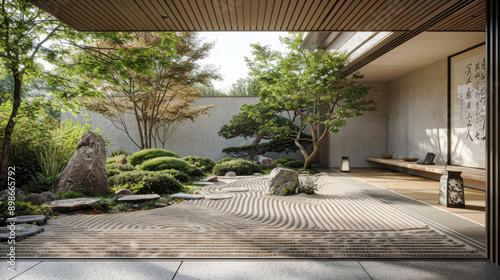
362	136
417	113
197	138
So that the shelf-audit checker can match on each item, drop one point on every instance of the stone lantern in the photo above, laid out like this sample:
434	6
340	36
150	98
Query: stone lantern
451	190
344	165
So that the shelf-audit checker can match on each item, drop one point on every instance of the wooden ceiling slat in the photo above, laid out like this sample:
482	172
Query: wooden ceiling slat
464	18
324	8
114	13
192	5
201	12
345	14
211	13
174	14
340	4
232	15
135	9
125	8
239	14
254	13
225	11
268	13
262	14
71	15
390	12
306	17
275	14
186	9
375	15
282	14
157	12
301	7
414	11
431	9
171	20
301	15
361	14
246	14
288	15
218	15
181	12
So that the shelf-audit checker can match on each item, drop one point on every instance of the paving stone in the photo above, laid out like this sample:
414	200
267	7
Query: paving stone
210	179
218	196
65	205
138	197
186	196
29	219
22	231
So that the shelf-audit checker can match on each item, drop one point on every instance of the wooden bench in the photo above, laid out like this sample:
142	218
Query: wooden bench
473	177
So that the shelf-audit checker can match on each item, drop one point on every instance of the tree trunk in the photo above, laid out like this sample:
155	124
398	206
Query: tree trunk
9	129
255	143
309	160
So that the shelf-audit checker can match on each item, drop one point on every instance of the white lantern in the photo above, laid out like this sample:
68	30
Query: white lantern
344	165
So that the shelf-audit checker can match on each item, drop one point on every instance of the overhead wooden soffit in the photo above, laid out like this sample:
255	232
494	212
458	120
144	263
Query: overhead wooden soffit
257	15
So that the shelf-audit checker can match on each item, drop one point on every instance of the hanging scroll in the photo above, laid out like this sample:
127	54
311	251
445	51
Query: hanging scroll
468	108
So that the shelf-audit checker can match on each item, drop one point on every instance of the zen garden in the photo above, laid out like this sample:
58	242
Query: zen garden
118	144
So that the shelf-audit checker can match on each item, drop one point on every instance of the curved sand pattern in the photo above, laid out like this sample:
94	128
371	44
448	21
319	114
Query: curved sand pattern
335	206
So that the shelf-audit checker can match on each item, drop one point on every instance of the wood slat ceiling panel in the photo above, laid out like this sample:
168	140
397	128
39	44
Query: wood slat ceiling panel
281	15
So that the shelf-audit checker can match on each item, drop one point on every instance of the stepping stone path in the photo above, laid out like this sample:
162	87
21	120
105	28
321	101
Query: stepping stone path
65	205
186	196
218	196
139	197
234	189
22	231
28	219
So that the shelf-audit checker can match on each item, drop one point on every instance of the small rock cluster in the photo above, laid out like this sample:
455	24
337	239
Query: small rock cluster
40	198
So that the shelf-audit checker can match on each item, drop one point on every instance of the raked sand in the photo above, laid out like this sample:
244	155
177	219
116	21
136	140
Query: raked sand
340	221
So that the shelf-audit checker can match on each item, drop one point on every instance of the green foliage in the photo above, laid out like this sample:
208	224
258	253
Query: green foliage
204	164
117	168
287	191
245	87
147	154
195	172
239	166
308	184
119	152
310	171
111	160
178	175
225	159
146	182
77	194
162	163
283	160
111	180
24	208
293	164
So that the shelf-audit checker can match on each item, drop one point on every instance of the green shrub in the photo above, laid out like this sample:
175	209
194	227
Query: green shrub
204	164
144	155
283	160
195	172
117	168
111	160
178	175
163	163
311	171
145	182
77	194
294	164
239	166
119	152
111	180
225	160
24	208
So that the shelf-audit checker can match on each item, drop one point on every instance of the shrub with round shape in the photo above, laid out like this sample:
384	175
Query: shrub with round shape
239	166
283	160
195	172
294	164
178	175
147	154
146	182
117	168
204	164
226	159
163	163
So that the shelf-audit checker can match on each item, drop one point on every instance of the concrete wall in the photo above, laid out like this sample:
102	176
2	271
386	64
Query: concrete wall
417	113
197	138
362	136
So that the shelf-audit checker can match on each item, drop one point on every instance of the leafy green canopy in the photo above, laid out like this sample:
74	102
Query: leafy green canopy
312	85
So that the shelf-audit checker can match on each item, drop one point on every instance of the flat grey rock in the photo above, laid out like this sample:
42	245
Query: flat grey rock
234	189
210	179
218	196
186	196
72	204
28	219
21	231
138	197
203	183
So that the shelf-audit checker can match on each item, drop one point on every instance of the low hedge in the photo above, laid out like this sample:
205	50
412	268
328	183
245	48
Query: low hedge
146	182
178	175
117	168
195	172
163	163
239	166
147	154
294	164
225	160
204	164
283	160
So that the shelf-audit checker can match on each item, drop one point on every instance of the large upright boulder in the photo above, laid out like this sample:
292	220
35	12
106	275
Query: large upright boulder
281	178
267	162
87	168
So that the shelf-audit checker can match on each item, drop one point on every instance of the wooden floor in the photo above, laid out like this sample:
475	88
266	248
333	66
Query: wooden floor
423	189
